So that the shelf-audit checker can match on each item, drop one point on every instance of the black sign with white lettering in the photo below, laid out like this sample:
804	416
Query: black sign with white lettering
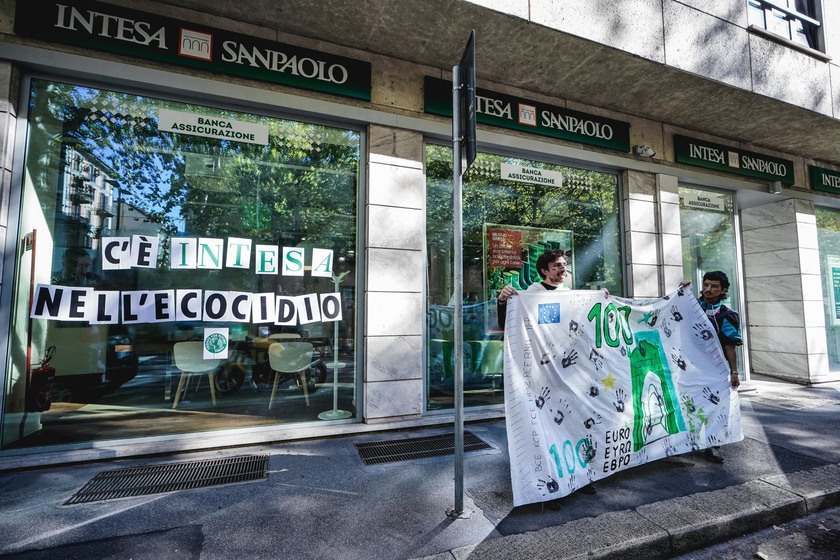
732	160
128	32
825	180
514	113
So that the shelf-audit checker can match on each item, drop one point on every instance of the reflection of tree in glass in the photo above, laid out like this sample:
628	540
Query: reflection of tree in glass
708	238
301	187
586	204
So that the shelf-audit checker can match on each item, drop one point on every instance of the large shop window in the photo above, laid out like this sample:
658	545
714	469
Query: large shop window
828	231
514	209
707	223
193	269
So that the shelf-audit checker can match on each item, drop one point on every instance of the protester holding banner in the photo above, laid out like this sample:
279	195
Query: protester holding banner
728	327
552	267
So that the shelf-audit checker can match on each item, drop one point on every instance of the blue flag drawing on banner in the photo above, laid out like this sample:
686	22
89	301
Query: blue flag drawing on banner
549	313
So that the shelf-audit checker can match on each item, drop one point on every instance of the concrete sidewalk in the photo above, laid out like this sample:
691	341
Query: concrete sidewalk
320	501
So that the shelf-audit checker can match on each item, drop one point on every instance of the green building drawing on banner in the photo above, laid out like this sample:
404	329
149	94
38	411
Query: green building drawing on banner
655	402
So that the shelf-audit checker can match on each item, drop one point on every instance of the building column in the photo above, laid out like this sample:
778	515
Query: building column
12	402
395	275
784	307
653	253
668	214
9	87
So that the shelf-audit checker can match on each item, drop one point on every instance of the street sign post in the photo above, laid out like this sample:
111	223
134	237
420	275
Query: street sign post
466	88
463	154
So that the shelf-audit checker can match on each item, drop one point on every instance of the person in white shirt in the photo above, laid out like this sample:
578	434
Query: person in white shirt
552	267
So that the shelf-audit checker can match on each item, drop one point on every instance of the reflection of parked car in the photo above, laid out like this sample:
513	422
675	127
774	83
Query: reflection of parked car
89	363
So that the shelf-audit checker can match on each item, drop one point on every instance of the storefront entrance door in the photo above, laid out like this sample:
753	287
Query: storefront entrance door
709	242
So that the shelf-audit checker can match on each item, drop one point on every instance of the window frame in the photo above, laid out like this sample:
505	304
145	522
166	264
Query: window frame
811	26
232	97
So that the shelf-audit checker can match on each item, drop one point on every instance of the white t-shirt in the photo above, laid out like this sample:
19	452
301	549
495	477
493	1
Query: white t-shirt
540	287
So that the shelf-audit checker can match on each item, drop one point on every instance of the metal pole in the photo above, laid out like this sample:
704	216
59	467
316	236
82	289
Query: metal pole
458	288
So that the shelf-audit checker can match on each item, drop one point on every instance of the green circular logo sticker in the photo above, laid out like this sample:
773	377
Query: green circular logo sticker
215	343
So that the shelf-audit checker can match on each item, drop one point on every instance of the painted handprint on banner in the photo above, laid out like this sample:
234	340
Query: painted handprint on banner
618	403
714	397
666	328
562	411
573	328
678	361
702	331
569	359
588	450
542	397
550	485
596	359
692	441
592	420
675	313
546	358
650	318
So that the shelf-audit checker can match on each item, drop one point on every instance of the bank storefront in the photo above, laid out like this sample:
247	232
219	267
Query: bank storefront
176	266
828	231
514	209
176	257
215	239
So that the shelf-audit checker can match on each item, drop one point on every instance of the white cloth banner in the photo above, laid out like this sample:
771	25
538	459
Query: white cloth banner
595	385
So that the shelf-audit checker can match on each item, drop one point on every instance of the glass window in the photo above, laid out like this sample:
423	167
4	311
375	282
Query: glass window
707	222
513	210
828	231
192	267
796	20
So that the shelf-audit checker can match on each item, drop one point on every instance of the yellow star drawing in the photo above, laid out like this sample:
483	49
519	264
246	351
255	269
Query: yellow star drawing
609	381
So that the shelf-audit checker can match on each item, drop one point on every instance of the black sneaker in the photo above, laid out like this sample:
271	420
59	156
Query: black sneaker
713	455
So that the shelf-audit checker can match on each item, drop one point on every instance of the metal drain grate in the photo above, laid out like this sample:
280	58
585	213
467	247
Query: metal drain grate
156	479
378	452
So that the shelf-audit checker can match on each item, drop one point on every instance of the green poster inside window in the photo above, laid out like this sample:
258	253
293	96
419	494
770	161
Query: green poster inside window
511	253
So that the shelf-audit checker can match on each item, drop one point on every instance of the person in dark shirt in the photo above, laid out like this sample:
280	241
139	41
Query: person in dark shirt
728	327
